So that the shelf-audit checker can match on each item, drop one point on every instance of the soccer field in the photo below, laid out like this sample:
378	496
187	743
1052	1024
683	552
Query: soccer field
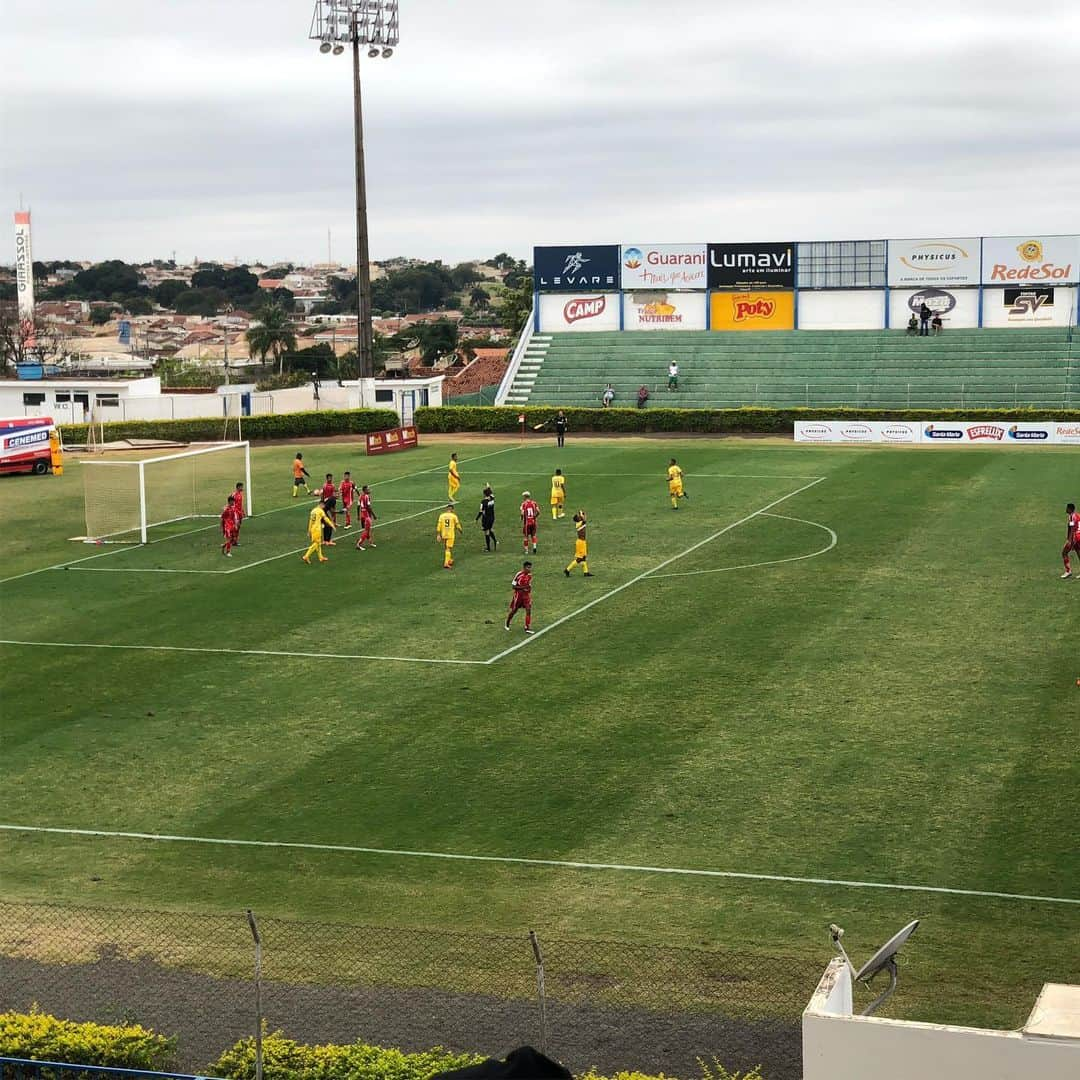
831	670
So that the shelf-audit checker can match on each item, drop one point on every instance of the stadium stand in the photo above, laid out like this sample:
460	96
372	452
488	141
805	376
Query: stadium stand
1037	368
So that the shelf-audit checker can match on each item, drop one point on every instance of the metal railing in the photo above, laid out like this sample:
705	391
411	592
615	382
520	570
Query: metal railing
613	1005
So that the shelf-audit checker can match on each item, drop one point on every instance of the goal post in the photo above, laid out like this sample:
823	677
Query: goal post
124	500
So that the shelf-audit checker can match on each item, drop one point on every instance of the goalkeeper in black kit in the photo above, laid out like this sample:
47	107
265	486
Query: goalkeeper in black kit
486	516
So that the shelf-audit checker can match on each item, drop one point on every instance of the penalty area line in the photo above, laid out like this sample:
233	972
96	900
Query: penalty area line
563	864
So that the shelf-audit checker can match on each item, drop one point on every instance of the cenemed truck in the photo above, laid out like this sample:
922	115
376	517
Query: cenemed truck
30	444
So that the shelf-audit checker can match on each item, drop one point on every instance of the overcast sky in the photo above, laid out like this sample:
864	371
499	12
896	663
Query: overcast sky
136	128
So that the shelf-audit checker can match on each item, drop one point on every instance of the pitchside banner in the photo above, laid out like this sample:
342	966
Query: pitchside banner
939	433
664	266
663	310
752	311
560	312
751	267
1030	260
934	262
572	269
386	442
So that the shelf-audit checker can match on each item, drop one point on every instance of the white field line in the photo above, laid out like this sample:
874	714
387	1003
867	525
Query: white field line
206	528
689	475
646	573
557	863
833	541
236	652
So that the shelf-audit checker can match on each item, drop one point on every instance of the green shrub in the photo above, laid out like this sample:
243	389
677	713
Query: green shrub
279	426
763	421
284	1059
41	1037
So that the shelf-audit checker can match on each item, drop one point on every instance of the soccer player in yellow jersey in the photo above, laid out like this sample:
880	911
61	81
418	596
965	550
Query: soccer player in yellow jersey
446	532
674	484
316	520
581	546
453	478
558	495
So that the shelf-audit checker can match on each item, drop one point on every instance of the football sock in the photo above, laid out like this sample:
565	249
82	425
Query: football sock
584	566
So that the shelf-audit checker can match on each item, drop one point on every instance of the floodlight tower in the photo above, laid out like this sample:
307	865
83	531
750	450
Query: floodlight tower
373	23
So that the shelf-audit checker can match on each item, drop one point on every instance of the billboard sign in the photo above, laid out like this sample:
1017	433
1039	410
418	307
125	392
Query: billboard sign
1034	304
894	432
934	262
663	266
934	433
753	310
24	266
590	268
658	310
123	332
751	267
1030	260
579	311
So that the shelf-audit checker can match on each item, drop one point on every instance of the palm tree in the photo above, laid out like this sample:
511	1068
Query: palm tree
273	334
479	298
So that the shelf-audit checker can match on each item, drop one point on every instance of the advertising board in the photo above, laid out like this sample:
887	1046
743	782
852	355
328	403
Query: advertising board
957	307
1029	305
572	269
934	262
842	309
391	440
560	312
663	266
659	310
752	310
751	267
1030	260
939	433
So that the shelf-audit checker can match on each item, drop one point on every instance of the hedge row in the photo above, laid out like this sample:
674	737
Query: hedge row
504	419
279	426
45	1038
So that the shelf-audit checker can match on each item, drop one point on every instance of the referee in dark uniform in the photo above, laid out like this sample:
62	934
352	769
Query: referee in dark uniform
560	428
486	517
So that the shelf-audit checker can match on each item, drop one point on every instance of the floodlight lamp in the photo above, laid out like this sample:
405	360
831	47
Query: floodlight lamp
339	49
373	53
387	53
325	47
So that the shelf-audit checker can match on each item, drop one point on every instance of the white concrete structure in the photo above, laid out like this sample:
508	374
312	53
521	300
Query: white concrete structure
838	1045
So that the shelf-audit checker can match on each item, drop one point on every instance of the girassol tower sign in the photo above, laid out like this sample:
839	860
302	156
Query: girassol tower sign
24	266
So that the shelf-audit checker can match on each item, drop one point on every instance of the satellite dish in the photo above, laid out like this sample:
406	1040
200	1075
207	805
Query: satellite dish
883	960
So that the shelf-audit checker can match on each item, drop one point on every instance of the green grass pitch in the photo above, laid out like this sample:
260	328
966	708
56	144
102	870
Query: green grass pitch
898	707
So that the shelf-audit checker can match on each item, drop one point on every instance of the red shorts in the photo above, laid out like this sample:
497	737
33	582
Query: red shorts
366	520
529	530
520	600
1071	545
231	534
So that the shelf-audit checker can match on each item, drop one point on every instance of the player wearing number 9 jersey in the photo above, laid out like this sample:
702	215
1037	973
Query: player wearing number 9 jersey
675	484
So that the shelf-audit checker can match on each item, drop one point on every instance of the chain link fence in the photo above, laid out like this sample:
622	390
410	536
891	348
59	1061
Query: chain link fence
607	1005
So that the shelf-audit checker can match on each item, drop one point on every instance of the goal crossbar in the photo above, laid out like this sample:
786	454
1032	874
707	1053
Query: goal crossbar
125	499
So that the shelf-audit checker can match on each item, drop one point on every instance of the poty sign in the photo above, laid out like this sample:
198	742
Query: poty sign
663	266
663	311
934	262
589	268
939	433
1027	260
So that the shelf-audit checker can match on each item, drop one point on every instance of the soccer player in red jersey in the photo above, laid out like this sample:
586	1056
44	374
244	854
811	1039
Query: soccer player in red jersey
1072	538
530	515
522	597
348	492
367	516
329	491
238	503
230	526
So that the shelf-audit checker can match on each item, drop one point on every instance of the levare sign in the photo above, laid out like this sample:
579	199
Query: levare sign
588	268
751	267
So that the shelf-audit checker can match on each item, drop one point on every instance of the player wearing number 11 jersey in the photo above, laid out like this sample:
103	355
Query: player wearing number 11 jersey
530	515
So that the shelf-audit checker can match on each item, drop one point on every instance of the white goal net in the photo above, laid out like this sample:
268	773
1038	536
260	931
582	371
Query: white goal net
125	499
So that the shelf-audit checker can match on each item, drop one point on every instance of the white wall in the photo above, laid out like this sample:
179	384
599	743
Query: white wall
839	1046
963	312
840	309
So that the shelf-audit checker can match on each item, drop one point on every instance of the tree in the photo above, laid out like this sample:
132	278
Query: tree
465	274
167	292
479	298
200	301
100	315
272	335
26	341
516	306
438	338
109	280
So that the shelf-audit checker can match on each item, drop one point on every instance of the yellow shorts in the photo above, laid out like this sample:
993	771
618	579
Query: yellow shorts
675	488
315	536
449	541
558	500
581	549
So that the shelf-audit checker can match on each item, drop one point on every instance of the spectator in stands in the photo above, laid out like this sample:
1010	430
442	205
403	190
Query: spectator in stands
608	396
673	376
642	396
913	325
924	321
935	323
